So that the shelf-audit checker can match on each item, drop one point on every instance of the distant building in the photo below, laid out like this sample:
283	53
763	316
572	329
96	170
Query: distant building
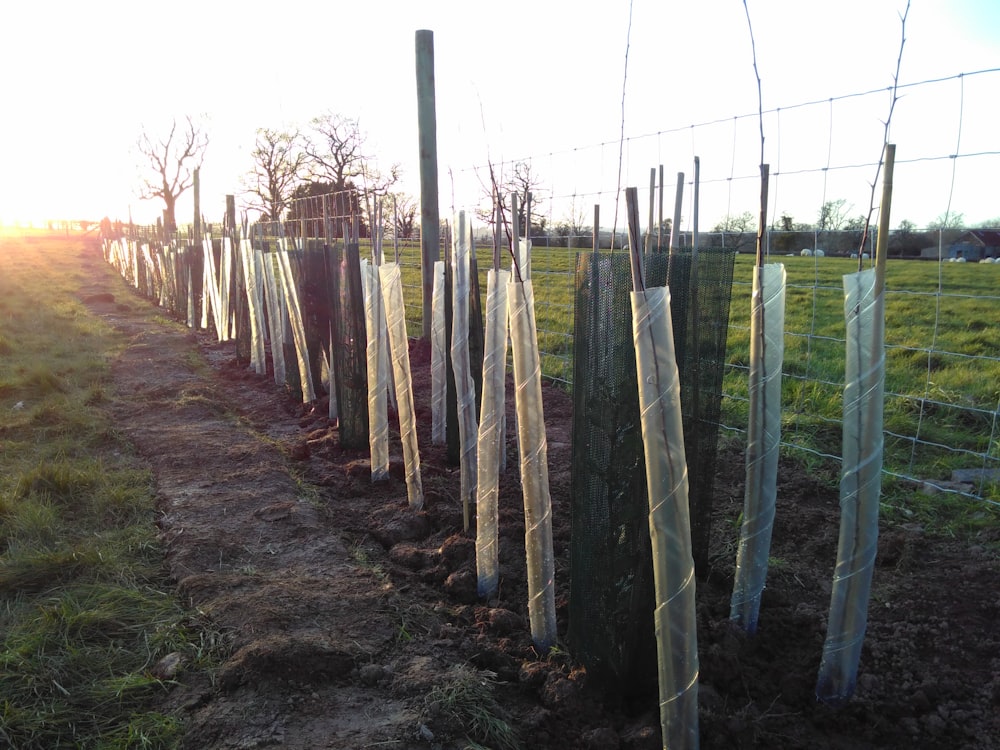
976	244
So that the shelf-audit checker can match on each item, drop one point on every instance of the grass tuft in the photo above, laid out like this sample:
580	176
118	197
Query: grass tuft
58	482
466	699
39	382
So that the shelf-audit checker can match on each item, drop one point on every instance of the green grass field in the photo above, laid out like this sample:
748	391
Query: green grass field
942	368
84	609
942	356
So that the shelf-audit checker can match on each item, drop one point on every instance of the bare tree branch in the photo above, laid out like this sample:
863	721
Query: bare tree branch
522	181
738	231
279	164
335	150
336	158
406	209
893	98
169	164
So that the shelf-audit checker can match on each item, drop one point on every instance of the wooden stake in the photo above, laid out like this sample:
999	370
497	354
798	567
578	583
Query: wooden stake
882	246
634	238
762	220
659	224
196	188
497	234
514	237
678	200
652	203
597	228
694	214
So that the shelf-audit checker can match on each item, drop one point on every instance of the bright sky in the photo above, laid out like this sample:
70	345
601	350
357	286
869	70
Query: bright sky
538	78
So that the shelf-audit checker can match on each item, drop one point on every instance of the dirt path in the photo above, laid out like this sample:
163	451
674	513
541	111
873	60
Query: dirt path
249	545
351	617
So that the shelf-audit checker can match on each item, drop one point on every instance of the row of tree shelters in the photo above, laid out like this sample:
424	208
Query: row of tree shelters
279	289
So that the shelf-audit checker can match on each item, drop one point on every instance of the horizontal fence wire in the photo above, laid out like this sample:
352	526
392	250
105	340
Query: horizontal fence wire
942	392
942	370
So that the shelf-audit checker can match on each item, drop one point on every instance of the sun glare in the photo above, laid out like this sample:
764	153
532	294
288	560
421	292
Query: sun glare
43	227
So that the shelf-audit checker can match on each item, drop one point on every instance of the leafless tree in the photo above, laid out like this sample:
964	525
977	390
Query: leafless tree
948	221
737	231
833	215
405	214
574	225
335	155
335	150
525	181
278	165
375	186
521	181
170	163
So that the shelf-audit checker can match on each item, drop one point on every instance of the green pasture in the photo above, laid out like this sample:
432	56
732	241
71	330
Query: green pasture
942	362
942	356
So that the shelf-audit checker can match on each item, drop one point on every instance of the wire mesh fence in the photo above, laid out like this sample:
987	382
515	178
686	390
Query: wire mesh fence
942	346
942	343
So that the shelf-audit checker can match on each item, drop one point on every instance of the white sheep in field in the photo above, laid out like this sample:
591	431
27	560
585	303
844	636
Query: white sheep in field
806	252
865	256
819	253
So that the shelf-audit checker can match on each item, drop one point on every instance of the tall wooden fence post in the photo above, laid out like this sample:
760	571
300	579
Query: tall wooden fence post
427	134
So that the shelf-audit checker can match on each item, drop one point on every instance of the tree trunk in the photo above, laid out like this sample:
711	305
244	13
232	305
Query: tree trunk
169	218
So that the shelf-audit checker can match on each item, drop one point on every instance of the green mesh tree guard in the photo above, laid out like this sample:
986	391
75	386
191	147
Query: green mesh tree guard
477	336
310	268
611	589
350	358
699	305
242	312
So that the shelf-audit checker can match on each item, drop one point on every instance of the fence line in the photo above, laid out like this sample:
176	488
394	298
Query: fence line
943	368
942	398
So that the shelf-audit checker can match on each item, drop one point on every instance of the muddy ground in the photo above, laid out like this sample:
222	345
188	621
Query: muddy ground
352	621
